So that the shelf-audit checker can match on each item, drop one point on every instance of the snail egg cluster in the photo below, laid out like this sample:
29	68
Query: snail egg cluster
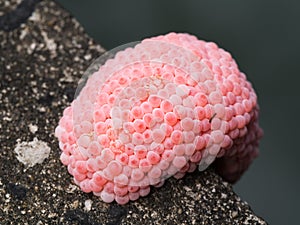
162	108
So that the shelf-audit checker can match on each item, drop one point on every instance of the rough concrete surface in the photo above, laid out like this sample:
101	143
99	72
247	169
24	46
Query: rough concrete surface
40	64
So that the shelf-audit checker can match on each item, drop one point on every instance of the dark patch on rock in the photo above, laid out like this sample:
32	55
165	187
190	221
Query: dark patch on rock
115	214
14	18
16	190
46	99
78	217
69	92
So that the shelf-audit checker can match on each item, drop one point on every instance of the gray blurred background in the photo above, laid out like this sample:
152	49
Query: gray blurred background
263	36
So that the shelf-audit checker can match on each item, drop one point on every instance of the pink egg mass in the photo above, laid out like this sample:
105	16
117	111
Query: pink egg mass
162	108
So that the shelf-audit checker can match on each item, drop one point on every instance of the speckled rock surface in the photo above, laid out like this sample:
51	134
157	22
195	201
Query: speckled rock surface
40	65
7	6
